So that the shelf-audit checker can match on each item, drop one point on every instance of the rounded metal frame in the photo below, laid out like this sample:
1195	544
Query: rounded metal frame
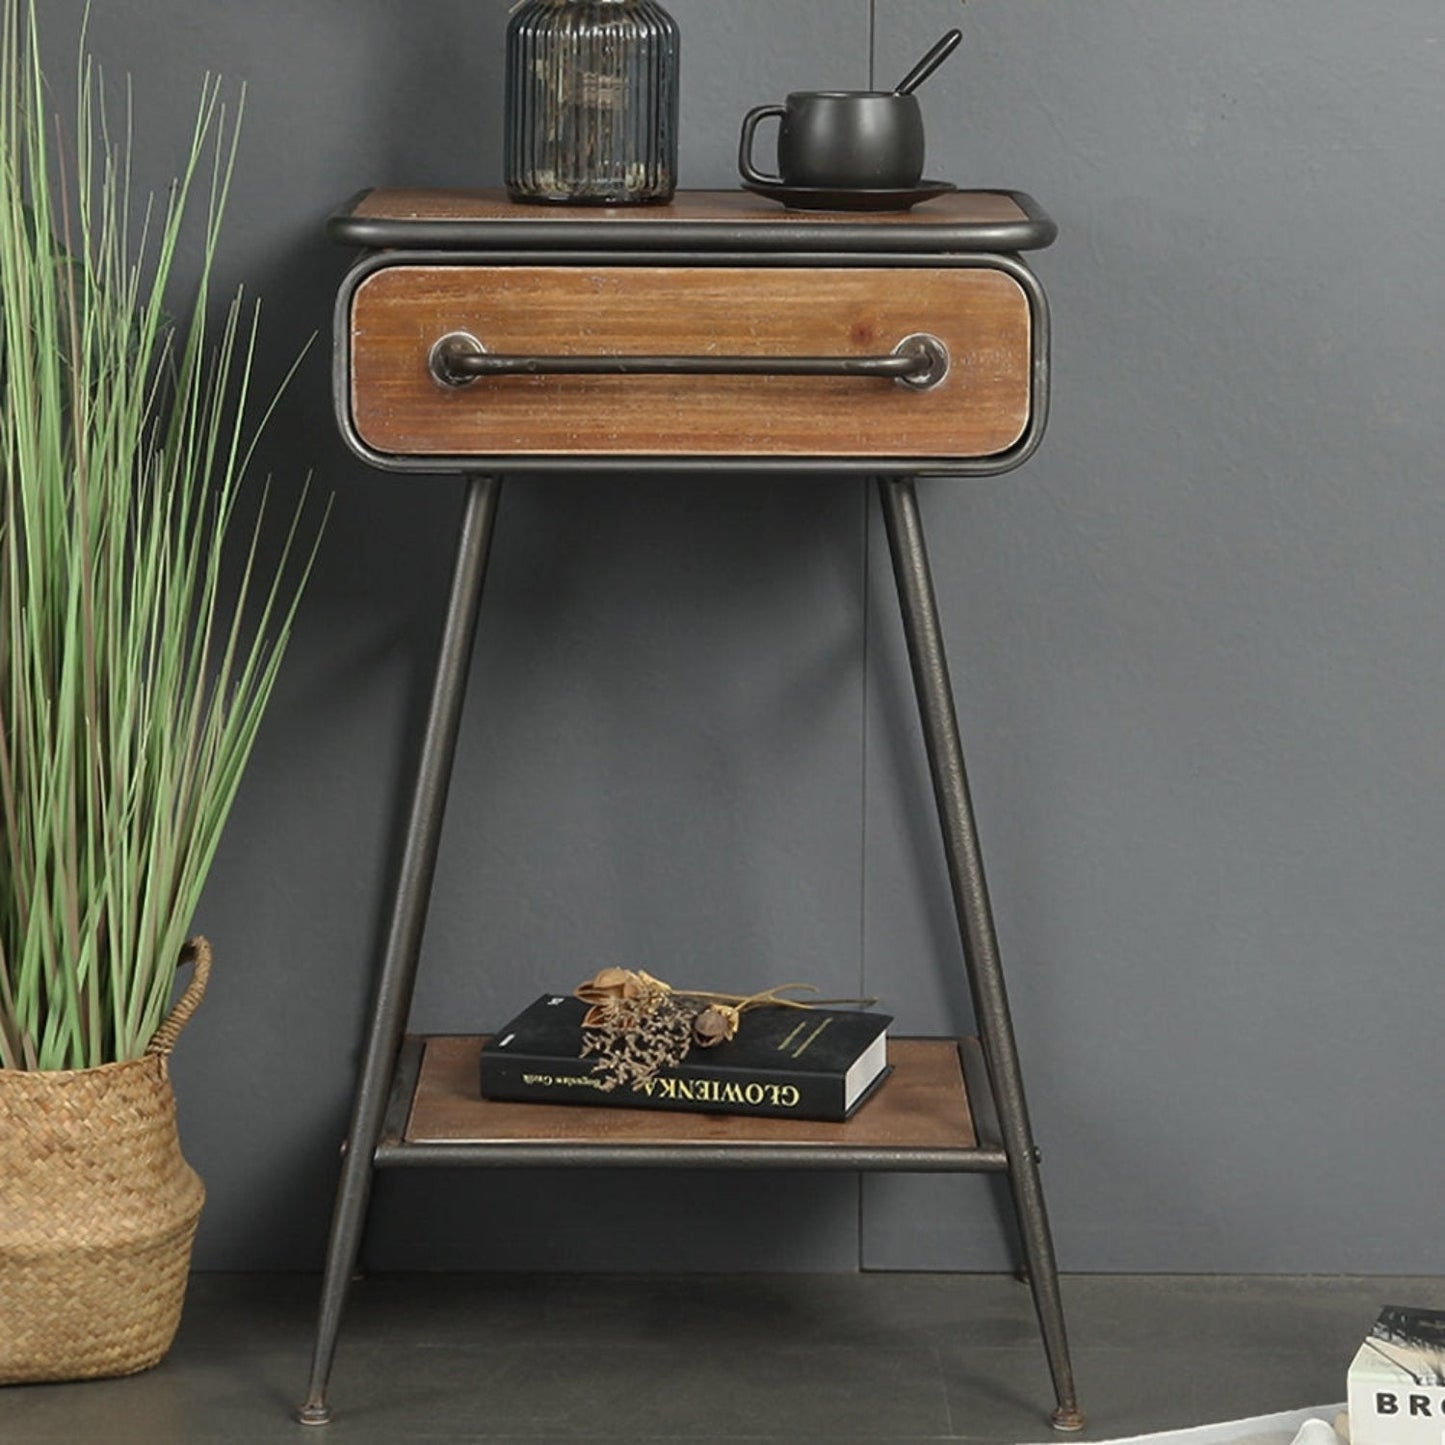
993	464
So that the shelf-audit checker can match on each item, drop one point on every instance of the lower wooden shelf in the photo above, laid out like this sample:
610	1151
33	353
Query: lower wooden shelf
932	1114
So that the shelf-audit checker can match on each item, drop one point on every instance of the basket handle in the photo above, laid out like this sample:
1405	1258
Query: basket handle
198	952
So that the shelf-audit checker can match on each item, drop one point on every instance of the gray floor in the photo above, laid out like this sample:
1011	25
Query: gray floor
842	1358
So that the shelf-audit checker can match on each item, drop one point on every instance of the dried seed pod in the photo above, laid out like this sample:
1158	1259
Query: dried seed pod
714	1025
610	983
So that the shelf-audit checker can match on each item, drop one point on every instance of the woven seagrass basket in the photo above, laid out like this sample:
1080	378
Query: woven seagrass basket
98	1211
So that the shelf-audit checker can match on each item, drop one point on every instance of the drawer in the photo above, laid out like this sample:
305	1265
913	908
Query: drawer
976	403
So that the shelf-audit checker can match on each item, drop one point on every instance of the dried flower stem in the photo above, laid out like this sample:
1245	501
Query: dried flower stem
638	1024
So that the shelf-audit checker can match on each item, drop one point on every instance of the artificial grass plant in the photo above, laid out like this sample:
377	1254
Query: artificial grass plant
134	667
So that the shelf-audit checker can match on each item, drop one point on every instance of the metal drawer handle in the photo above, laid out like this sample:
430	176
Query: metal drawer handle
920	361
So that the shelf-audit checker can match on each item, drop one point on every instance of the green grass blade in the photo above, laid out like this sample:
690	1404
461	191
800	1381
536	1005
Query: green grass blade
133	677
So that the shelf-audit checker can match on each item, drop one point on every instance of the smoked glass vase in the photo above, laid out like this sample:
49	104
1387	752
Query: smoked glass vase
591	103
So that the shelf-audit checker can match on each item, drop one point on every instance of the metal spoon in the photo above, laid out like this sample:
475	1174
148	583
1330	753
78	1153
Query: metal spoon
930	62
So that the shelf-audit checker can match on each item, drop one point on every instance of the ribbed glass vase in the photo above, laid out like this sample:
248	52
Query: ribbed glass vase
591	107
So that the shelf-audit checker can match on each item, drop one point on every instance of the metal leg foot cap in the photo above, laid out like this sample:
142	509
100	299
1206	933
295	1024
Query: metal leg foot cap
314	1412
1068	1420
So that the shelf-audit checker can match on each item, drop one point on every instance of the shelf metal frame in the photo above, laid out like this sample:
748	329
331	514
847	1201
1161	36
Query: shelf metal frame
813	1147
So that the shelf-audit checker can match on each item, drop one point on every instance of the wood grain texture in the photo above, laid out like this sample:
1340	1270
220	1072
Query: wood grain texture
961	208
981	314
921	1105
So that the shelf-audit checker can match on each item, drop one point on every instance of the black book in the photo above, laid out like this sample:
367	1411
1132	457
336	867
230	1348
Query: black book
790	1063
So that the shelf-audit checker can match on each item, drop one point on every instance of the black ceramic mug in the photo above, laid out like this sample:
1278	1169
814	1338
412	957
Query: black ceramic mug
840	140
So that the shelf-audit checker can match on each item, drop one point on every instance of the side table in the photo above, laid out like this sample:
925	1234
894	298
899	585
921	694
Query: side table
716	333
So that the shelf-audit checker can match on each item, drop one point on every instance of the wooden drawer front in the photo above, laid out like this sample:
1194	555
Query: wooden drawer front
981	314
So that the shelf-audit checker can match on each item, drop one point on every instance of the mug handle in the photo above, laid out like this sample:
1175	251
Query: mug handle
745	145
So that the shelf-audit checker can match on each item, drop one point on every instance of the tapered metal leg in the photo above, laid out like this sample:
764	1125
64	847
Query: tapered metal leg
975	921
403	944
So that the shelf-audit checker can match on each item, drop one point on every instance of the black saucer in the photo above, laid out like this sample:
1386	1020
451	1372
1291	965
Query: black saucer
829	198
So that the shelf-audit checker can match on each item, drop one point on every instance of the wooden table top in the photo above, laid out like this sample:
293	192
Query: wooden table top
974	220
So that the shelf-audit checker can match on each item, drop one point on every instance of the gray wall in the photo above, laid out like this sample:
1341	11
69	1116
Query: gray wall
1197	643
